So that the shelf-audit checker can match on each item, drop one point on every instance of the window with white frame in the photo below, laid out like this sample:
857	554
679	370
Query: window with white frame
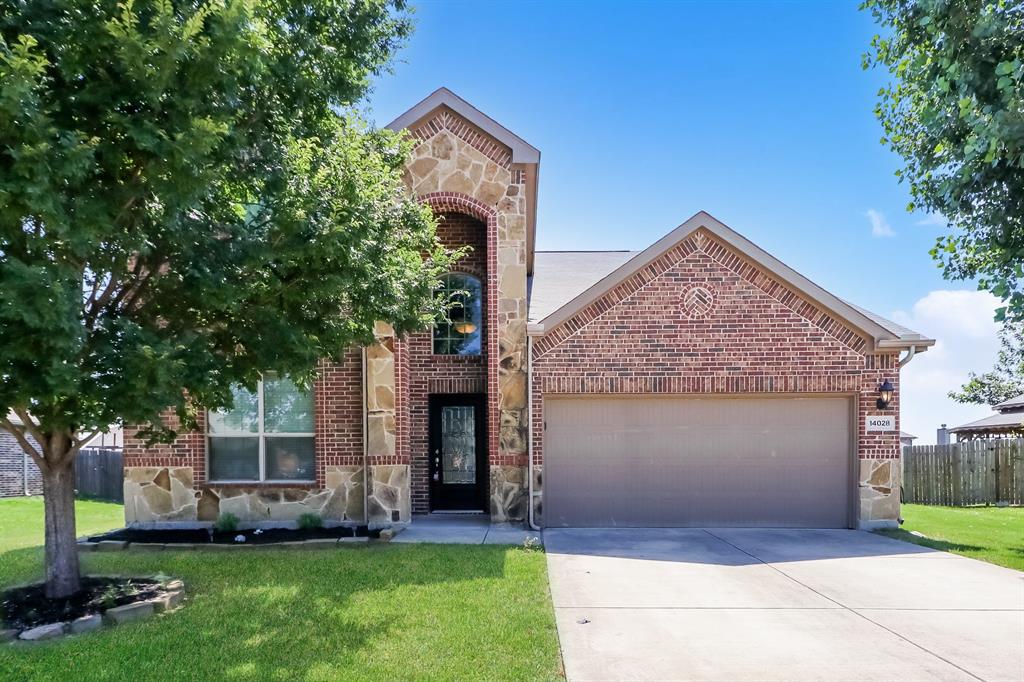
266	436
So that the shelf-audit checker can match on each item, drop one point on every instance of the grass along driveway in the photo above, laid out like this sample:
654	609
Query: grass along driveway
371	612
993	534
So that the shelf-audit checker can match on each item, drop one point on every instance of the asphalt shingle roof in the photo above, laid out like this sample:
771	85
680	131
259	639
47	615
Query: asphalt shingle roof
560	276
1011	404
996	421
894	327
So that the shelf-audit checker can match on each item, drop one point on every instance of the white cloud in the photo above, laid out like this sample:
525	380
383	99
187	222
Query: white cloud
933	219
879	225
962	324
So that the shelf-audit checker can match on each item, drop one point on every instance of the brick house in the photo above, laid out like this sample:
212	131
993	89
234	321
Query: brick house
19	475
697	382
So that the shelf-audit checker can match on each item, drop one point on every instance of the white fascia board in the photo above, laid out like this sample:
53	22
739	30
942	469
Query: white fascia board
522	151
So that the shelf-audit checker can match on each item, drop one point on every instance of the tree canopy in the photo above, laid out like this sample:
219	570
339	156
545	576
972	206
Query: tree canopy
954	111
1005	380
187	199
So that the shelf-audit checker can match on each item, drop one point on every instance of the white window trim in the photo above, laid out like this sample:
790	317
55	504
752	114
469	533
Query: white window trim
260	434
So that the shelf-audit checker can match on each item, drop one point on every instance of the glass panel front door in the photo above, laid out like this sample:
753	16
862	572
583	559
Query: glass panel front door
458	458
458	444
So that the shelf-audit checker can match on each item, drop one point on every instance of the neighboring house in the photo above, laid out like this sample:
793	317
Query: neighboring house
19	474
1008	422
906	438
698	382
113	438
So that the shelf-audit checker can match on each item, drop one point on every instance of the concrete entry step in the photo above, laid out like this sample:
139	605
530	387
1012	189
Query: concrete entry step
463	529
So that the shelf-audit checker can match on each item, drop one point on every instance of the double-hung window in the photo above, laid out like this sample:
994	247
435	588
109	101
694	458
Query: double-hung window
266	436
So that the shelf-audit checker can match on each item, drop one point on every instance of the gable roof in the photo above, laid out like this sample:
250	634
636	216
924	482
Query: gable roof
884	333
1012	404
1003	421
561	276
522	151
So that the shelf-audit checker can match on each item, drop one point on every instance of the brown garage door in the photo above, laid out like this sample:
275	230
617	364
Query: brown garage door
640	461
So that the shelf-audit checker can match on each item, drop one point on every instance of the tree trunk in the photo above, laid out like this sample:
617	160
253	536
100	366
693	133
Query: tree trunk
62	575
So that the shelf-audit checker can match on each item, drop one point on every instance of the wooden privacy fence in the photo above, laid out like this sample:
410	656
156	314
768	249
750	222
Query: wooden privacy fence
961	474
99	474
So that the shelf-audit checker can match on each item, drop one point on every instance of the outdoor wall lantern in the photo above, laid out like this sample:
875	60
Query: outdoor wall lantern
884	395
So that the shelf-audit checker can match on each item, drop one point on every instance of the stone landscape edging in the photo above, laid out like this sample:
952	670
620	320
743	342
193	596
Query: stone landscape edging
170	600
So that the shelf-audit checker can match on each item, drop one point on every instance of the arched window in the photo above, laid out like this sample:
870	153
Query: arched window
461	334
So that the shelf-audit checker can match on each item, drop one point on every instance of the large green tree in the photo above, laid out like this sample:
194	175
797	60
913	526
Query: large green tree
954	110
187	200
1005	380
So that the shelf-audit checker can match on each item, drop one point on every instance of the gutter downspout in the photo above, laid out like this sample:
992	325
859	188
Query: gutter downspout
366	468
529	428
900	364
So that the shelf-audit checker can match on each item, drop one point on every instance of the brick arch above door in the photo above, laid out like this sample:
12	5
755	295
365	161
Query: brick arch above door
455	202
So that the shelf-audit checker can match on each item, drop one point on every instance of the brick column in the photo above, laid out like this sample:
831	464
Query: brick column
878	453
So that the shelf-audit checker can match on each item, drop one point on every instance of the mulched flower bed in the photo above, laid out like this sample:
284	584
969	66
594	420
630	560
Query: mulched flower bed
262	536
27	606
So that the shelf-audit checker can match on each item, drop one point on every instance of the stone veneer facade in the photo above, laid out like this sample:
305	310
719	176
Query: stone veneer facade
479	195
462	172
755	335
700	319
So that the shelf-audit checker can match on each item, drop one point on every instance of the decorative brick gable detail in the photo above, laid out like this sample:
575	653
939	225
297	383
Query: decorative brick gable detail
445	119
705	243
778	290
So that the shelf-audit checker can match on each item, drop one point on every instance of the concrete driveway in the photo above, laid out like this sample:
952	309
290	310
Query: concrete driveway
753	604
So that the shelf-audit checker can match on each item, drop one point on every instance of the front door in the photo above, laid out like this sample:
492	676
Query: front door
458	458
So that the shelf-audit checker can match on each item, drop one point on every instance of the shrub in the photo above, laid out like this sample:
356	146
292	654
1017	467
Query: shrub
226	523
309	521
532	544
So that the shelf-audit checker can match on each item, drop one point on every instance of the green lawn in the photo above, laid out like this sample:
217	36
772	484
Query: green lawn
376	612
993	534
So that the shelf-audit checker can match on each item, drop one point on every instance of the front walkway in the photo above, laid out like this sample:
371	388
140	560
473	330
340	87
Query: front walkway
753	604
463	529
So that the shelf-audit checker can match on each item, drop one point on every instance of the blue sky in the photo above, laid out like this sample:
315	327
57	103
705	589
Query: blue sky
756	112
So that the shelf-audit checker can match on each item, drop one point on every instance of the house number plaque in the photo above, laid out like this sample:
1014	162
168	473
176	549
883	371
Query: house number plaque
880	422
